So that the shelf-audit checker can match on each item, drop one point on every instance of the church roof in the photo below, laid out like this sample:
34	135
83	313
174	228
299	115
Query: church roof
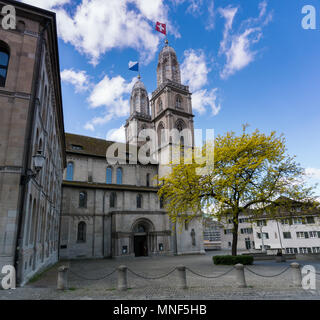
139	85
167	49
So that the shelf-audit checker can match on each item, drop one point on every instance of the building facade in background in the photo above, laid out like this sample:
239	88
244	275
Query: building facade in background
114	210
294	228
31	131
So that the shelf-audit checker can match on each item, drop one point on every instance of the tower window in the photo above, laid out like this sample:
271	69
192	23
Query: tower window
82	199
70	171
4	62
82	230
113	200
178	102
139	201
119	176
109	176
148	180
160	107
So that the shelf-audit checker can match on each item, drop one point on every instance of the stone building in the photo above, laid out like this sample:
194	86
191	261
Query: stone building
32	143
114	210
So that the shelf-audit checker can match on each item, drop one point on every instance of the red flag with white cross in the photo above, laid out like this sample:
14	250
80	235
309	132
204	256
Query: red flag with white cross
161	27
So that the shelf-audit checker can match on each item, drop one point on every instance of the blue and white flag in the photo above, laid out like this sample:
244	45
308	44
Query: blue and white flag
134	65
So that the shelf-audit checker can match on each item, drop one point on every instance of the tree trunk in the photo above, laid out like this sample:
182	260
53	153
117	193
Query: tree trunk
235	236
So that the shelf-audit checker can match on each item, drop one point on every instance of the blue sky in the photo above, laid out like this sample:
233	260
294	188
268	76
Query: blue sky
245	62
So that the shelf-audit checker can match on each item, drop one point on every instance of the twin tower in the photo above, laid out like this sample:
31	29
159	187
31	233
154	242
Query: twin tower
171	106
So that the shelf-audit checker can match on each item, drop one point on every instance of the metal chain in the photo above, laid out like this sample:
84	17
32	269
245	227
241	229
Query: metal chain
210	277
151	278
268	276
96	279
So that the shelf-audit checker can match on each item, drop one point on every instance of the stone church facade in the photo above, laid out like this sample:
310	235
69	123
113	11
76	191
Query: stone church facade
114	210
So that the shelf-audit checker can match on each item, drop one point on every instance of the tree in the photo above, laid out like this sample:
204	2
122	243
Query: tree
248	172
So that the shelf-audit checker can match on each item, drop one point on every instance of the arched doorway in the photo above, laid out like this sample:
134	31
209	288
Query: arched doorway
141	241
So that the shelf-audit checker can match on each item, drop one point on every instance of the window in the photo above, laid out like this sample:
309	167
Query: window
148	180
82	199
82	232
4	62
297	221
178	102
139	201
265	235
228	231
159	105
246	231
113	200
70	171
300	235
313	234
287	235
310	220
76	147
119	176
161	203
262	223
109	176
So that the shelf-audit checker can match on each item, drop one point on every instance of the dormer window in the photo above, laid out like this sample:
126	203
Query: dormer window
76	147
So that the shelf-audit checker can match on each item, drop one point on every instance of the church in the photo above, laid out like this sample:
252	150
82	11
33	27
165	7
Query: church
114	210
60	195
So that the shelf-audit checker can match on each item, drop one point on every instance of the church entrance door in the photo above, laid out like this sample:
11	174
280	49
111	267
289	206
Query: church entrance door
140	246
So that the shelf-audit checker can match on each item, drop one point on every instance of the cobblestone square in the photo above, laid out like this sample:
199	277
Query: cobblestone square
271	286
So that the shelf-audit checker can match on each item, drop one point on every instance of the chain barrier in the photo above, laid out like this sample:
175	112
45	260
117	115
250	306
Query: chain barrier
96	279
151	278
209	277
267	276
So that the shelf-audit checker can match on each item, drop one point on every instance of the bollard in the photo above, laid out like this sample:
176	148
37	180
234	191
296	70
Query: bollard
182	276
296	274
122	278
240	278
62	278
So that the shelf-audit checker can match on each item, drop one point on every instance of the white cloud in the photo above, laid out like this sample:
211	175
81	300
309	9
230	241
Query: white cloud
194	73
194	69
211	19
97	26
313	173
117	135
203	98
79	79
113	95
237	47
46	4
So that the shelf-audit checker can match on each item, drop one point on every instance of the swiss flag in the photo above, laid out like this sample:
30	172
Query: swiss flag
161	27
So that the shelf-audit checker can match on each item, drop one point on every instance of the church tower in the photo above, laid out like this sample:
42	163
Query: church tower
171	107
140	118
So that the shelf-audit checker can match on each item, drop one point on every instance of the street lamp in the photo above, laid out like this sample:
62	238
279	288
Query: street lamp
38	162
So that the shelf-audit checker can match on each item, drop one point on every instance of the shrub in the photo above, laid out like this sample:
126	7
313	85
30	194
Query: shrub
232	260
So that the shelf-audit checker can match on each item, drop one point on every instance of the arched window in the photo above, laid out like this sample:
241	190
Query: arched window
161	203
119	176
82	199
4	62
82	230
180	125
70	171
148	180
139	201
160	105
109	176
161	136
113	200
178	102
